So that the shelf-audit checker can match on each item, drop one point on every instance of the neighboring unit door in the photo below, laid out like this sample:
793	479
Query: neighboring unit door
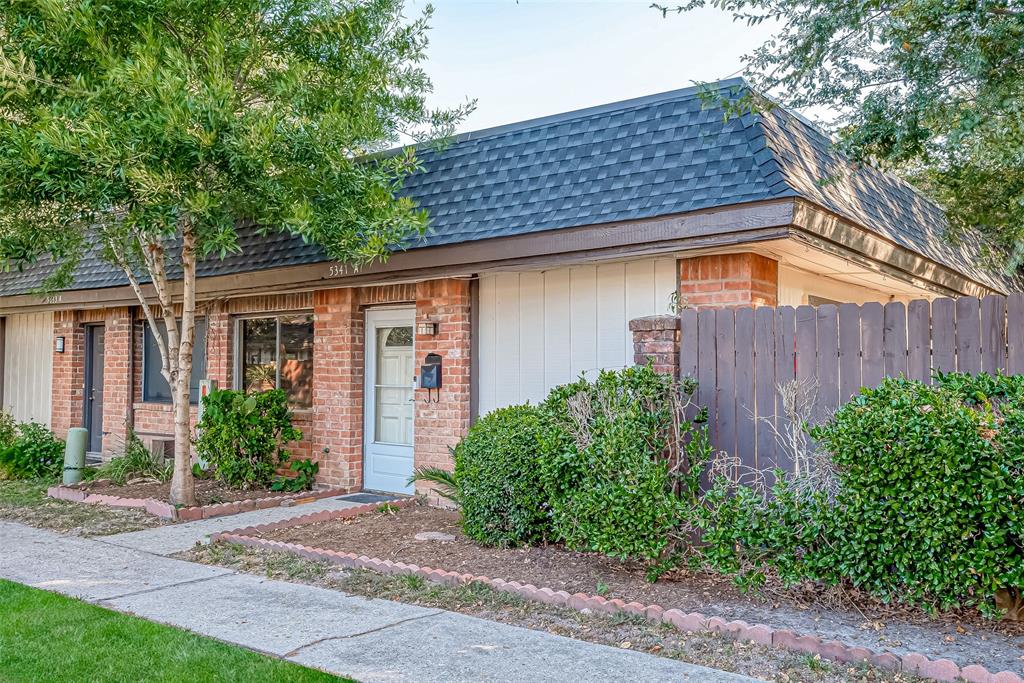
94	386
389	400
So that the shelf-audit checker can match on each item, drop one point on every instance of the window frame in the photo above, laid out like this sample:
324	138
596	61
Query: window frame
144	384
239	339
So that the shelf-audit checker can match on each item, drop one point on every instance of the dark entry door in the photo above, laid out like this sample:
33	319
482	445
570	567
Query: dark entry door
94	387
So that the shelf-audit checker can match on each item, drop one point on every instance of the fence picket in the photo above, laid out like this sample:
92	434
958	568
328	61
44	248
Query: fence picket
968	334
849	351
1015	334
828	359
785	371
872	367
919	333
707	363
725	339
746	419
688	352
993	334
764	385
944	335
894	339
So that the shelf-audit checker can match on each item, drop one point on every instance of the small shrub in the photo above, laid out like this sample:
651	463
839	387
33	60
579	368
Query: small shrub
499	488
35	453
241	436
621	466
136	462
931	491
8	429
304	477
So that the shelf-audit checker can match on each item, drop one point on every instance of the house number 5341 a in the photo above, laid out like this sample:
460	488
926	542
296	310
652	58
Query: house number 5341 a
338	270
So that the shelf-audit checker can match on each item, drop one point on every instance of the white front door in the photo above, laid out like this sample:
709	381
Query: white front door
389	400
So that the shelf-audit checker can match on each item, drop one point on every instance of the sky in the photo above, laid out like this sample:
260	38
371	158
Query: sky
521	60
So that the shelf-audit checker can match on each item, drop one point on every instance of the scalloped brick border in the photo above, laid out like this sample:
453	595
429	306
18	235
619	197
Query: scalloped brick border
165	510
914	663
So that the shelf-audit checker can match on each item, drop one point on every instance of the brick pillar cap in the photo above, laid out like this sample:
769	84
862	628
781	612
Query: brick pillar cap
655	322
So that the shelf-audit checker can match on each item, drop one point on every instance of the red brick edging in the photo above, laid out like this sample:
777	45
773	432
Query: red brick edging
913	663
164	510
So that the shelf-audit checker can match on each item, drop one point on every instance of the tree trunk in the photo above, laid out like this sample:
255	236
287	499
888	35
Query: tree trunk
183	487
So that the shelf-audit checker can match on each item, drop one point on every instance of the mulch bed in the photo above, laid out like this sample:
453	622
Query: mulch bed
847	615
208	491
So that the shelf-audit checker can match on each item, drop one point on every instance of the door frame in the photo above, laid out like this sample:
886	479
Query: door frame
89	374
380	317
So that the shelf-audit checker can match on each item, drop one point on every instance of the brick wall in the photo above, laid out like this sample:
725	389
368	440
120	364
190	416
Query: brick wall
656	341
440	425
68	373
728	280
117	389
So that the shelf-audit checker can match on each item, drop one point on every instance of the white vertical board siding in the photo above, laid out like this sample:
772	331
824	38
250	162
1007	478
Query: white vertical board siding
28	366
538	330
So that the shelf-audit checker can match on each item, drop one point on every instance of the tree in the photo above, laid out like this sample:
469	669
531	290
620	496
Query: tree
148	131
933	89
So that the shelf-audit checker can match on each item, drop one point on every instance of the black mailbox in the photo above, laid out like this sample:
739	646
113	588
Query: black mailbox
430	372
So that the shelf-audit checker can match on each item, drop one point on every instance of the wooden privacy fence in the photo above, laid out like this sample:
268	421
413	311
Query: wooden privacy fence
741	356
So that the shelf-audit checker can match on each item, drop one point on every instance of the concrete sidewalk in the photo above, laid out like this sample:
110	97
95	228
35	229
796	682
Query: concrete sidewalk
369	640
175	538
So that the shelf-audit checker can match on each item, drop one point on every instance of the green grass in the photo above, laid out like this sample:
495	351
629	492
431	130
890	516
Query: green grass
48	637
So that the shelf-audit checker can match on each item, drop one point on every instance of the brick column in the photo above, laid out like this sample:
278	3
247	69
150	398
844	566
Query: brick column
728	281
439	426
337	420
68	373
117	380
219	346
656	341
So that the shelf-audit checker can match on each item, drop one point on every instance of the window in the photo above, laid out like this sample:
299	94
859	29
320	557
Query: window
154	387
278	353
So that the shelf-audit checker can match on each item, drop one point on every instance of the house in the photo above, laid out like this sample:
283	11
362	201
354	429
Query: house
546	237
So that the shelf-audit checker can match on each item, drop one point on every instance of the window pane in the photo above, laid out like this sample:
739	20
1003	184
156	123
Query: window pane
393	391
259	354
154	386
297	359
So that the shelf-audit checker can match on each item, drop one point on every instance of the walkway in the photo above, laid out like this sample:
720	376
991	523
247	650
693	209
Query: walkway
369	640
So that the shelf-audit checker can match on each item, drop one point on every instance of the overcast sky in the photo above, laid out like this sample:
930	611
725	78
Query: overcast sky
538	57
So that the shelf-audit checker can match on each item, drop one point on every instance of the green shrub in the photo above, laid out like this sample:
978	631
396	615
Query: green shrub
241	436
34	453
8	429
619	469
302	479
931	491
497	477
135	462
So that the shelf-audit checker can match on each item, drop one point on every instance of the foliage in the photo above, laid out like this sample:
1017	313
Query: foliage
304	476
35	453
931	88
496	470
8	429
445	483
241	436
150	132
135	462
931	493
621	467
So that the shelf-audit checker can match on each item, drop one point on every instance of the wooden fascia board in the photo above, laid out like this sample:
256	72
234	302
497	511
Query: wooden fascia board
822	228
718	227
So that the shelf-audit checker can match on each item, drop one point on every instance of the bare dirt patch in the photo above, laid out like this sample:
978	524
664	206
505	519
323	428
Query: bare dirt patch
627	631
208	491
854	619
26	502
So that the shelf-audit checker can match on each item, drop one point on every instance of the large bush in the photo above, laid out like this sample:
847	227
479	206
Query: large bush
931	488
34	453
498	479
620	466
241	436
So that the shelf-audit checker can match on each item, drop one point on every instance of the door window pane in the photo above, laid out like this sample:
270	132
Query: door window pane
154	387
296	359
393	393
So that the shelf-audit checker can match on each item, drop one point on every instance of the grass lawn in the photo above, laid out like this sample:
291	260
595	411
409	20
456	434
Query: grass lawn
48	637
25	501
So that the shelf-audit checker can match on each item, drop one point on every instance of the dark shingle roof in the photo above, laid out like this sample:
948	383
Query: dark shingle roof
653	156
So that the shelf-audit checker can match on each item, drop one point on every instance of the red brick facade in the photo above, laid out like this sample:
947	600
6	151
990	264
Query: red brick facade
333	425
728	281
